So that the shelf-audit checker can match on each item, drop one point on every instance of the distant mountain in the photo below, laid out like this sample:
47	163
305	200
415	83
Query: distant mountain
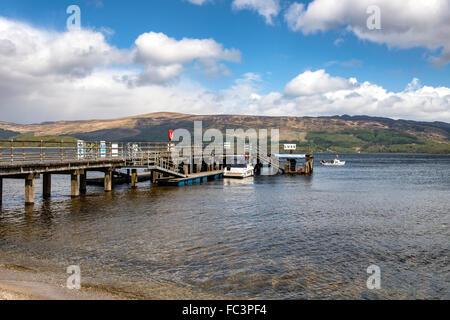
335	133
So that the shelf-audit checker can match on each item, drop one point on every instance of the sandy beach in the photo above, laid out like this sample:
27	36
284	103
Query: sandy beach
21	283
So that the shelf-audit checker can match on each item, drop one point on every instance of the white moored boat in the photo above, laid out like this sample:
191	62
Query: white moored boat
333	163
239	168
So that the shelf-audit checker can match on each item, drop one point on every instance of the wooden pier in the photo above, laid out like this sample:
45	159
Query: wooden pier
31	160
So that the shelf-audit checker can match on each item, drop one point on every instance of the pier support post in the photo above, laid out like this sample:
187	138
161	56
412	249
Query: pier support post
292	166
154	177
83	177
1	191
74	187
258	165
134	179
47	186
309	164
29	189
197	168
108	180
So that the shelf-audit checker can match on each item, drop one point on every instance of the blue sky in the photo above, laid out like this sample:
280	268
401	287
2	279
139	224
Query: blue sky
274	51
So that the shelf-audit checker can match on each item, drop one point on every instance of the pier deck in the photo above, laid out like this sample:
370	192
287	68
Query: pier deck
192	179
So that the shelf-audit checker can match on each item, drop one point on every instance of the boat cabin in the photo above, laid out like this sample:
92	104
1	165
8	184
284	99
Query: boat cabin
297	163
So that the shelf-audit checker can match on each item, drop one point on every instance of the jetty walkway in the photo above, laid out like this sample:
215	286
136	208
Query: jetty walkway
29	160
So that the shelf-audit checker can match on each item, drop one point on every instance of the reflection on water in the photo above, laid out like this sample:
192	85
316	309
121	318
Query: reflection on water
237	182
263	237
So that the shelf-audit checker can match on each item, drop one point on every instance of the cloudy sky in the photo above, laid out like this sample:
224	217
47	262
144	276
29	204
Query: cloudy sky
261	57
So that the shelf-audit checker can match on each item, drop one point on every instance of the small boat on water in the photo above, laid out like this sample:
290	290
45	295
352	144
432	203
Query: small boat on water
239	168
333	163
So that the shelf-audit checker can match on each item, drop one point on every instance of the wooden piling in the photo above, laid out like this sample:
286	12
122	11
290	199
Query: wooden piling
47	186
74	186
309	164
258	166
155	176
134	179
108	180
292	165
83	178
1	191
29	189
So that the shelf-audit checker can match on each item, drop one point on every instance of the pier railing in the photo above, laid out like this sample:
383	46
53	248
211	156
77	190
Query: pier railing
19	151
133	154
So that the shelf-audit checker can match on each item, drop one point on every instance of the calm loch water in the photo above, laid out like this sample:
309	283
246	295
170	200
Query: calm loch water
264	237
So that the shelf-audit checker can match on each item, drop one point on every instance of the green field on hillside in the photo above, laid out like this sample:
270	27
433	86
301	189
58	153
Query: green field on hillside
355	140
29	140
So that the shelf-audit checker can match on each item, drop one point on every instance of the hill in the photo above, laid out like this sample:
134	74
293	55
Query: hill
335	133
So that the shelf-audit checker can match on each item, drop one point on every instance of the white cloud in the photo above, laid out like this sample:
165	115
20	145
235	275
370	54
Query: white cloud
34	52
309	83
160	49
327	95
405	24
266	8
211	68
198	2
239	97
164	57
158	74
336	96
338	42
